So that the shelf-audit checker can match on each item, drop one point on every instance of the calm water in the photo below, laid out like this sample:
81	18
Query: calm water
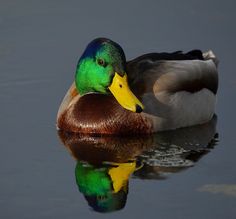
185	173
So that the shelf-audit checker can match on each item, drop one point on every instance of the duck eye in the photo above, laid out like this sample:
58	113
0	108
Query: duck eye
101	62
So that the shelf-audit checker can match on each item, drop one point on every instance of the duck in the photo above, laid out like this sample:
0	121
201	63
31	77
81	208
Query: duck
151	93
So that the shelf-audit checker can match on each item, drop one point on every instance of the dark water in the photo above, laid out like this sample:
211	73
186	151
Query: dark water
186	173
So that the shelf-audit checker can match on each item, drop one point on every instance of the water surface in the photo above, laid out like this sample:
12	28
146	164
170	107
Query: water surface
169	175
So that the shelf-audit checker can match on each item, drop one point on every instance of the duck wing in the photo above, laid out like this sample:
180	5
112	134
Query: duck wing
173	72
173	86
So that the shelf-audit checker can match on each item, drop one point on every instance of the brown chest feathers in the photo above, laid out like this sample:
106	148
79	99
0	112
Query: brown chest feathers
99	114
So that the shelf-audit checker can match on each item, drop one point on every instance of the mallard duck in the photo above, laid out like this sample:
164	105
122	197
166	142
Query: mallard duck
151	93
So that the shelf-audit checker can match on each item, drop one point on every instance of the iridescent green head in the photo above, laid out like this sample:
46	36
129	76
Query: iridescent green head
97	66
101	69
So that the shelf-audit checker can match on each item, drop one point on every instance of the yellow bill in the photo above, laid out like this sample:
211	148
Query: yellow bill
120	175
120	89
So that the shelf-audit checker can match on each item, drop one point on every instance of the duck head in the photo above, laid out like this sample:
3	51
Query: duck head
101	69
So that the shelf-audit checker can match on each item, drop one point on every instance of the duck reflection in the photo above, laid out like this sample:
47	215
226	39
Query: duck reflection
105	164
175	151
